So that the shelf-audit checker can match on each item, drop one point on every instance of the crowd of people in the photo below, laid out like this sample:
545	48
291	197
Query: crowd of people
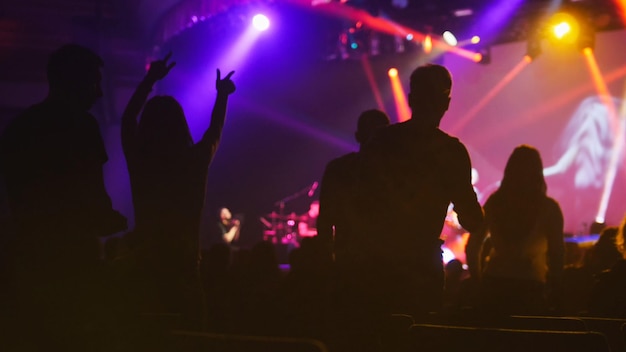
377	251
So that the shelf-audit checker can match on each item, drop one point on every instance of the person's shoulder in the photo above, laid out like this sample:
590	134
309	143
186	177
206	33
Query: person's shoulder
27	119
552	204
346	158
449	139
449	146
342	162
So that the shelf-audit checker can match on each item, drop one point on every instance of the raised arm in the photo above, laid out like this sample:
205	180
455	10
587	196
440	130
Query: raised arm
211	137
158	70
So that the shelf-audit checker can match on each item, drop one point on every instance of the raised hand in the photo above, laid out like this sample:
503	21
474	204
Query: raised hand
226	85
160	68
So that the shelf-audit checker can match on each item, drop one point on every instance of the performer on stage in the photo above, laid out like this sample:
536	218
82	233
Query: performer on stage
229	227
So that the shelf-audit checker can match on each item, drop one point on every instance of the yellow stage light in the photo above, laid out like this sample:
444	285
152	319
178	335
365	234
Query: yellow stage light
563	27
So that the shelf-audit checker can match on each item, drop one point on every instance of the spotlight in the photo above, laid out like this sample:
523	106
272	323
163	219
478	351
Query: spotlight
261	22
483	56
393	72
587	38
449	38
475	39
563	27
533	48
428	44
409	36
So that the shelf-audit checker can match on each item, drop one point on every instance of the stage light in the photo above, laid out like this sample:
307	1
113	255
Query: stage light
409	36
449	38
483	56
533	48
563	27
475	39
428	44
354	45
261	22
399	96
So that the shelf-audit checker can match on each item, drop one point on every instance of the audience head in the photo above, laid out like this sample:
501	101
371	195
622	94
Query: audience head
369	122
524	172
74	76
604	252
620	238
429	97
163	128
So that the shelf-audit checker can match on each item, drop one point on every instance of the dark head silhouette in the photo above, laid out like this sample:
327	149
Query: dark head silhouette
163	128
74	76
523	186
369	122
523	173
429	97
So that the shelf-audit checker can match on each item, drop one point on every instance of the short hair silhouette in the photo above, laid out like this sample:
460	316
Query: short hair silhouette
369	121
72	64
431	80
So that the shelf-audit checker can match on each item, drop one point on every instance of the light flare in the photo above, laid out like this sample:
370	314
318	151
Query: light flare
399	96
601	87
369	73
614	162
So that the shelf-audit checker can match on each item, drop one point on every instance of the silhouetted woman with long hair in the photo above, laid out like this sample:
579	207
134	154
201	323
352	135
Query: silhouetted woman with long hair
526	232
168	177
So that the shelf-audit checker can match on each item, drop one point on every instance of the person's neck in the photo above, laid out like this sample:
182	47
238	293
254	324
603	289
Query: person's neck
423	121
61	99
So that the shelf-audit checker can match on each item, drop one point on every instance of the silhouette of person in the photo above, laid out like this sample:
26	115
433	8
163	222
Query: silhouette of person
526	231
409	173
338	181
608	295
52	157
168	176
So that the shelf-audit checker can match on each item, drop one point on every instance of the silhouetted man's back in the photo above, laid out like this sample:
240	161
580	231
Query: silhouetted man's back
338	186
52	157
410	172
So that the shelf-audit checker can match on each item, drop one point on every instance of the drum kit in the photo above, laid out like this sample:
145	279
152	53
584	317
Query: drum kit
282	228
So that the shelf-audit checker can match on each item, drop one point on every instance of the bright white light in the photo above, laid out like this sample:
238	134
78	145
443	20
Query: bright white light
261	22
449	38
475	39
409	36
561	29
